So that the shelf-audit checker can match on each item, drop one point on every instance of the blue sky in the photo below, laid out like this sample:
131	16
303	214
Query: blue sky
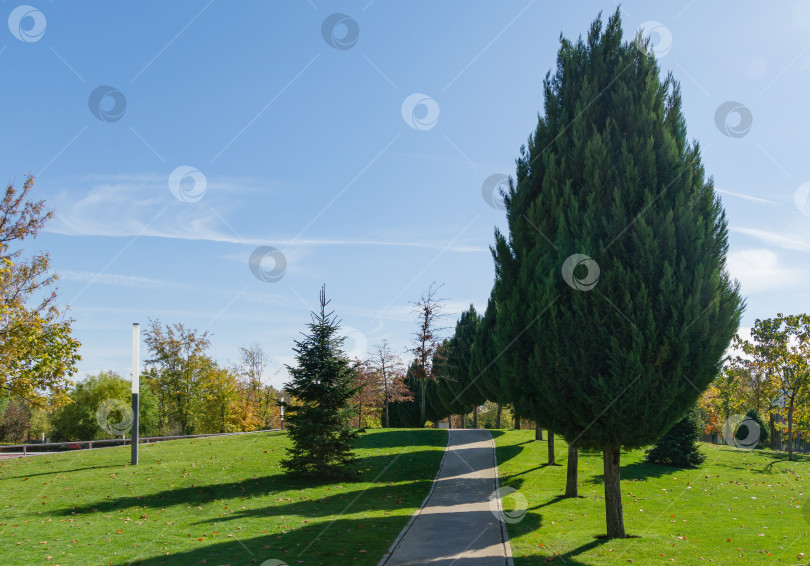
305	147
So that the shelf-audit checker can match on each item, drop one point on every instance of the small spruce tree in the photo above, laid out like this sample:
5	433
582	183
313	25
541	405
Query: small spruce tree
321	389
742	432
679	446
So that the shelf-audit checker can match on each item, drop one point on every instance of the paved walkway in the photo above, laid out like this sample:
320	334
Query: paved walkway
457	524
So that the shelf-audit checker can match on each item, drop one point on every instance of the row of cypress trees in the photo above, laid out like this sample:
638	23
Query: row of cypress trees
611	307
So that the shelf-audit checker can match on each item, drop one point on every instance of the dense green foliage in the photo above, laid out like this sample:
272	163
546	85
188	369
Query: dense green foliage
103	399
762	431
436	408
484	367
318	415
446	390
461	354
679	446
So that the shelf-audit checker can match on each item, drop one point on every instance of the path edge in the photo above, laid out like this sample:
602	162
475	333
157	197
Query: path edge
507	547
406	528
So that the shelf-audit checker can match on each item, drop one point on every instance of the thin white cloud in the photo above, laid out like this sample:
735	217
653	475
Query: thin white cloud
746	197
760	270
160	184
130	205
118	280
788	241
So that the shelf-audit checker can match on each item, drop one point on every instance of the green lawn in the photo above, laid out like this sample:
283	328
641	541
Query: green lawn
738	508
220	500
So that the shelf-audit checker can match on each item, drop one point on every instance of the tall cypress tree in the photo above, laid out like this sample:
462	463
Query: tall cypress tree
484	369
435	409
457	389
318	416
443	399
466	332
515	338
614	266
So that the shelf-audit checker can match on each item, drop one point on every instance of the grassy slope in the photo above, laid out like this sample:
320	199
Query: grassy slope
216	501
738	508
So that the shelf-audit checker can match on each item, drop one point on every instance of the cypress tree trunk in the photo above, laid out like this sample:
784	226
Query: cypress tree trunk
498	416
772	423
613	493
475	416
517	421
359	416
551	460
538	432
571	478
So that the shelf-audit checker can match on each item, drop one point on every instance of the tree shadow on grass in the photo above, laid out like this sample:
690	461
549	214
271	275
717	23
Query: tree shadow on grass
406	467
344	540
61	471
335	542
556	499
741	454
506	453
511	477
745	464
376	498
769	467
340	544
568	557
640	471
378	468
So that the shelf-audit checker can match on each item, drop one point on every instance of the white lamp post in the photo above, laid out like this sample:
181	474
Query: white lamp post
136	342
282	413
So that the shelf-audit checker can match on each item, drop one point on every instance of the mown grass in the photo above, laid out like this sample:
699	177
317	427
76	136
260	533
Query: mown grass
740	507
221	500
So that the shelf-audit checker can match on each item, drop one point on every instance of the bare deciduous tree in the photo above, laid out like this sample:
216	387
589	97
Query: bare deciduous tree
391	370
429	311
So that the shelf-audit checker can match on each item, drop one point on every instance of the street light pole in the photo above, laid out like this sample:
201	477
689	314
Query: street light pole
282	413
136	343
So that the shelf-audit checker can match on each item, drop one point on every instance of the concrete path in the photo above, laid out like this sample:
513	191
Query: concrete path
459	523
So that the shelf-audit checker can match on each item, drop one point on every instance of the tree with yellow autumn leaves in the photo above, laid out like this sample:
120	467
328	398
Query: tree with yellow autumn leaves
38	355
771	376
